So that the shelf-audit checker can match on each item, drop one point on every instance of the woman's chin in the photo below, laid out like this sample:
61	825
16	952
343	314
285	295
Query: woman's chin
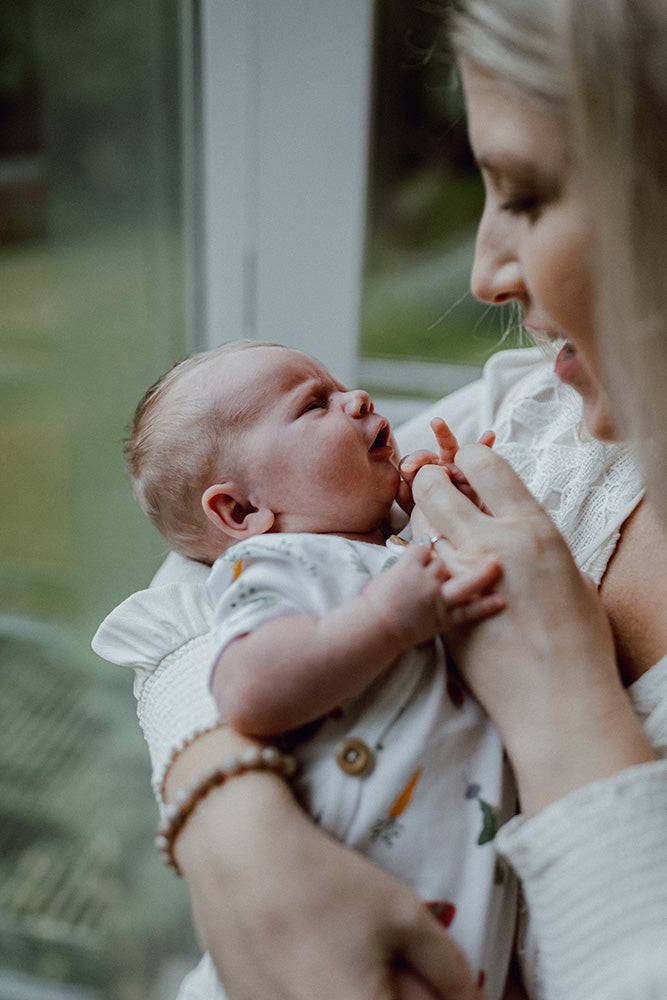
599	420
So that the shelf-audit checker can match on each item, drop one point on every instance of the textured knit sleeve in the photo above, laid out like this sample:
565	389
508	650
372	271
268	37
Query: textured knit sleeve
593	868
649	700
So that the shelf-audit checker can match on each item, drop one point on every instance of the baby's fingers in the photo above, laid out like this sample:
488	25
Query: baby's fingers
411	464
447	443
477	609
471	583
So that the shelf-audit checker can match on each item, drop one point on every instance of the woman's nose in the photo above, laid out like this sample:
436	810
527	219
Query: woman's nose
358	403
496	275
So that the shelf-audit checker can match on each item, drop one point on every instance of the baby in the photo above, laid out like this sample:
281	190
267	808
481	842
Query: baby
253	458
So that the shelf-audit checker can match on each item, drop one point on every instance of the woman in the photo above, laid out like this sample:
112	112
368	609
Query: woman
594	799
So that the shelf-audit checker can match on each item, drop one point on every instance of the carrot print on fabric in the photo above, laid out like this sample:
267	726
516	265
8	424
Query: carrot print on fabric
388	828
403	800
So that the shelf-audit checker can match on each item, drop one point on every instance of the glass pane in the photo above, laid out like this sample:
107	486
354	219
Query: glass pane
425	198
91	310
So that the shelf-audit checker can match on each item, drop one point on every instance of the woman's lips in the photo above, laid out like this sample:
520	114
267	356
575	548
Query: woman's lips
567	362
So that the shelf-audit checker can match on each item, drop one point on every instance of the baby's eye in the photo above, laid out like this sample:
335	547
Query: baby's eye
319	403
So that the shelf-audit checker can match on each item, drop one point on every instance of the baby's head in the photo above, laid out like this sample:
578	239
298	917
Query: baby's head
181	434
253	437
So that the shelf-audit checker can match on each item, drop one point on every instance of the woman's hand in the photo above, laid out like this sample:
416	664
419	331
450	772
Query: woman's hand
545	668
289	914
447	448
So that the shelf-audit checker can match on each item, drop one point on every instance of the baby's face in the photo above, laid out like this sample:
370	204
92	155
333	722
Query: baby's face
314	452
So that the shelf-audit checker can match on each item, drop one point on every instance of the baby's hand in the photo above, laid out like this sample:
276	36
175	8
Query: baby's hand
418	598
447	449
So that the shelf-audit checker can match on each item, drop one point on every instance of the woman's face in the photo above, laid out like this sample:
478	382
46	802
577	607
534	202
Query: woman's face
534	237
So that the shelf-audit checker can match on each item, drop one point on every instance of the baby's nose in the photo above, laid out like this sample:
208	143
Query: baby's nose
358	403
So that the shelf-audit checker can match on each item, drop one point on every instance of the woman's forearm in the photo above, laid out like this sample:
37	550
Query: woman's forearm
286	911
545	668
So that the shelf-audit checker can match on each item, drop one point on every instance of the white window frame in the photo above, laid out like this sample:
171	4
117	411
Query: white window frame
284	95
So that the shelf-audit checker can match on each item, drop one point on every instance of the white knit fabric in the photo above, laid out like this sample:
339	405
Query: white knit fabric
588	487
592	868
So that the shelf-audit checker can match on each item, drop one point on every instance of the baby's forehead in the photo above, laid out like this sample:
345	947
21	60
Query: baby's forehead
271	370
249	380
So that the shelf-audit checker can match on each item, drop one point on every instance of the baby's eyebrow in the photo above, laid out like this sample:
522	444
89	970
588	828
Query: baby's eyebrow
315	385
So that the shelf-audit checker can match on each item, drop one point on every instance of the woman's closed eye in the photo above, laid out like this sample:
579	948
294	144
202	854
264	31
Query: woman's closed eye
529	201
521	204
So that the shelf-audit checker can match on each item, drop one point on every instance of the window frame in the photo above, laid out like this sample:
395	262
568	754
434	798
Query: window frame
285	96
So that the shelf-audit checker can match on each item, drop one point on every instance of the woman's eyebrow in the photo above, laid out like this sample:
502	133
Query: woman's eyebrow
508	165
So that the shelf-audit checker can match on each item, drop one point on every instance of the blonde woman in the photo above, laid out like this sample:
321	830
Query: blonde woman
284	911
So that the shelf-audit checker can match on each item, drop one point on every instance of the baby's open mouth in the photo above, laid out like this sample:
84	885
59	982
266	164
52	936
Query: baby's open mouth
381	439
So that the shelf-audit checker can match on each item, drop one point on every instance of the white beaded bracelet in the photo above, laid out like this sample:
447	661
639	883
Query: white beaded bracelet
186	800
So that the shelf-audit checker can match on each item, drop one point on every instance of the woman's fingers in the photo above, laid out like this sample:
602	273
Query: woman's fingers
438	962
493	479
453	514
446	508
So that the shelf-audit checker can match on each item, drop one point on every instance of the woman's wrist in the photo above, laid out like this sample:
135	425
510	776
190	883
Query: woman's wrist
230	814
570	744
200	755
188	799
233	826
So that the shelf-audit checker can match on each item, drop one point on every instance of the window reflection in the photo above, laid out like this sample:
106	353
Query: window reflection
91	309
424	201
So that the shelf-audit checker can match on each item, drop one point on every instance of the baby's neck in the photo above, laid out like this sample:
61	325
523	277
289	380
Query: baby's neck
376	537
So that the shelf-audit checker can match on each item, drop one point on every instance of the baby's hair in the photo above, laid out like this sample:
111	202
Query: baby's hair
173	455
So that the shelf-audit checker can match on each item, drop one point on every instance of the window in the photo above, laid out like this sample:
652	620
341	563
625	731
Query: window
92	306
175	173
422	332
339	195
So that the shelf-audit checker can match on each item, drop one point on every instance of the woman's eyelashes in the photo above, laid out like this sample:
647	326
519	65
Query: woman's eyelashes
522	204
530	202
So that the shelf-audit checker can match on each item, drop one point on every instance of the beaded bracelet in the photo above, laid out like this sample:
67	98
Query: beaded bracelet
186	800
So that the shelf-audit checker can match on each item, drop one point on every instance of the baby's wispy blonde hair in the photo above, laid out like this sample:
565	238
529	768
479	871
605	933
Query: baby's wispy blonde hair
181	441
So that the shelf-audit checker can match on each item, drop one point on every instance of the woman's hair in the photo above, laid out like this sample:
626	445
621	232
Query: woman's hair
604	64
181	441
514	40
617	61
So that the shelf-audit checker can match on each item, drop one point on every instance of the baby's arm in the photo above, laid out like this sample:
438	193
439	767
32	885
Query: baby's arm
293	669
447	449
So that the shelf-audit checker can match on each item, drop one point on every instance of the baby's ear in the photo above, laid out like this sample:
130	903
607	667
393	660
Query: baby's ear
230	510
